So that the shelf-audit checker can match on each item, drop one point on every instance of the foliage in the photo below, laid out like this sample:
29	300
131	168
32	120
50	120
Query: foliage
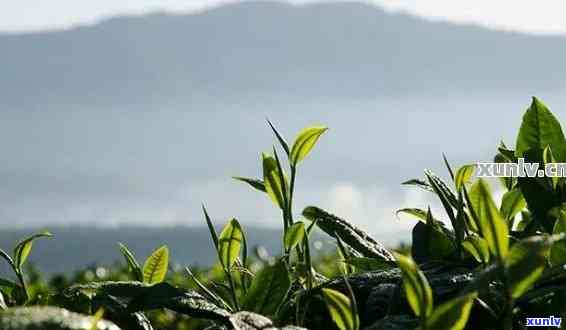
484	263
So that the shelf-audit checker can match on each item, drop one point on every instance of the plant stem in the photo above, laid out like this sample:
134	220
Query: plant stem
232	289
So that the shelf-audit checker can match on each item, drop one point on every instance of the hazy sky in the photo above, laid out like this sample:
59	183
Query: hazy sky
542	16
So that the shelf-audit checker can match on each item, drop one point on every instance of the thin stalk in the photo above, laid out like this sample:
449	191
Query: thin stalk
232	288
291	189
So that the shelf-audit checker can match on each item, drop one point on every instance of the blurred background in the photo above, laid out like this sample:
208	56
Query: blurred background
119	118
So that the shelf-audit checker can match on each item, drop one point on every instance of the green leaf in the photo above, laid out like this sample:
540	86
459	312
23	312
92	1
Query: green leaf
452	315
280	138
23	249
477	248
415	285
304	142
294	235
492	226
540	129
155	266
415	212
268	290
211	228
525	263
274	186
230	243
256	183
133	264
558	249
464	175
512	203
339	307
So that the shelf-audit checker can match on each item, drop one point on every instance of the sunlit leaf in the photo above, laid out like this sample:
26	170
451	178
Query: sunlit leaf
155	266
294	235
540	129
339	307
274	186
464	176
525	263
493	227
304	142
23	249
558	250
453	314
230	243
512	203
477	247
416	287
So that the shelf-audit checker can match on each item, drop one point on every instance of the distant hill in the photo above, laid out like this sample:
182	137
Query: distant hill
250	49
76	247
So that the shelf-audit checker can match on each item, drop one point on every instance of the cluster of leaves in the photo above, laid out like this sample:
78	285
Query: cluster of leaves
494	265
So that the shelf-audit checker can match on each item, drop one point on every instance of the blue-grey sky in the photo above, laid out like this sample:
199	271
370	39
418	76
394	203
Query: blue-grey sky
542	16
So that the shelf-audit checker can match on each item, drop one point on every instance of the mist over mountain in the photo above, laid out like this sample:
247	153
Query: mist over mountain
137	120
253	49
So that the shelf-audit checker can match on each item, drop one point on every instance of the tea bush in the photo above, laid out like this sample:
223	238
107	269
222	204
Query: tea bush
492	267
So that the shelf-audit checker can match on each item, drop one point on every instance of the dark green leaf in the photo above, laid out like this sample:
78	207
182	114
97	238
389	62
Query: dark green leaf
133	264
269	289
255	183
211	228
369	264
279	138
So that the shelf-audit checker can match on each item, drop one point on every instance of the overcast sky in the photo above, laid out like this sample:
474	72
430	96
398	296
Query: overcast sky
542	16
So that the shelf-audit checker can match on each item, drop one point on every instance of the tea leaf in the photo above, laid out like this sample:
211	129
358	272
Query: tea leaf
477	247
133	264
256	183
272	179
540	129
294	235
23	249
558	249
415	285
230	243
340	310
512	203
418	183
417	213
268	290
350	234
155	266
280	138
492	226
464	175
211	228
525	263
453	314
304	142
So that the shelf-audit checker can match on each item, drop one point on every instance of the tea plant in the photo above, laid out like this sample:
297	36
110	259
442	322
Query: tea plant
480	264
